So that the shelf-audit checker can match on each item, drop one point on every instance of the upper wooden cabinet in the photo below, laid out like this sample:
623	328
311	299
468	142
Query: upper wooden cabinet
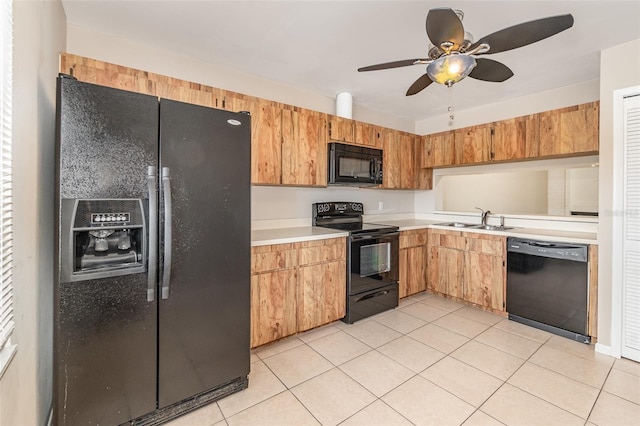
402	162
572	130
355	132
473	145
563	132
304	148
516	138
342	129
439	150
266	143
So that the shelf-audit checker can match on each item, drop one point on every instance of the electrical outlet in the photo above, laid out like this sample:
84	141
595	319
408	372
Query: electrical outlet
380	205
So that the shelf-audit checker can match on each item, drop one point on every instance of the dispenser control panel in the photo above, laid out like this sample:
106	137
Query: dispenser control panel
107	218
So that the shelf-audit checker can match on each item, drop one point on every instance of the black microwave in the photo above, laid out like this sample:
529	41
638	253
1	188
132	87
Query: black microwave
354	165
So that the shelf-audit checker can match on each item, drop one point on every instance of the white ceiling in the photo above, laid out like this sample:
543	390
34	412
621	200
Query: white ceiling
318	45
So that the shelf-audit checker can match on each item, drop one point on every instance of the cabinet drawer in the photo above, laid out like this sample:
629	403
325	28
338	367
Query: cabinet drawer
271	258
458	242
414	238
322	251
487	244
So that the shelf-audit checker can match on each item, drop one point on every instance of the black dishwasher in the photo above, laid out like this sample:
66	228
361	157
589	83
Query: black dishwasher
547	286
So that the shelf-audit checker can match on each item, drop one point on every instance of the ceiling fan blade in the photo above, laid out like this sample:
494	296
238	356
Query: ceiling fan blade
525	33
419	85
443	25
394	64
490	70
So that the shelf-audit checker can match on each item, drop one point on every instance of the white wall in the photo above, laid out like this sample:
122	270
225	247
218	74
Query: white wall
517	107
582	190
39	34
503	193
269	203
619	69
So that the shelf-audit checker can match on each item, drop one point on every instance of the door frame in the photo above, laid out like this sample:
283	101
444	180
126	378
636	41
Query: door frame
617	262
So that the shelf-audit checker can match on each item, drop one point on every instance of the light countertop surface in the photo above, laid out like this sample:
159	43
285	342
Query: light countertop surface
264	237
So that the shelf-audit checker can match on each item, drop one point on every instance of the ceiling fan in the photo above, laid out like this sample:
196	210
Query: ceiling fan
453	55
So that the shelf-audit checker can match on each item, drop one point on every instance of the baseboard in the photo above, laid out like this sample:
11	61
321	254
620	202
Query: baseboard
603	349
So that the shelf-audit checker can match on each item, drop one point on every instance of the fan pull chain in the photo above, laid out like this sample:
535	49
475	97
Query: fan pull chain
450	109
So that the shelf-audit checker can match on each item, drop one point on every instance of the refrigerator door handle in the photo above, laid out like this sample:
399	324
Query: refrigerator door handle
153	235
166	274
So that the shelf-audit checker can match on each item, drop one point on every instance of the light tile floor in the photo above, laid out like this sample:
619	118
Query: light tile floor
431	361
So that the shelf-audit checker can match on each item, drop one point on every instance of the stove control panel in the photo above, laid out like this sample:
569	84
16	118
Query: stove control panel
337	209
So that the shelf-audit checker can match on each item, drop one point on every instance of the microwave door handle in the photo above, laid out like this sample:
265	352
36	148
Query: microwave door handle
372	169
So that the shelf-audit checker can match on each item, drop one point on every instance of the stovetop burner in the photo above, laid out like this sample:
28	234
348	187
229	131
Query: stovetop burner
345	216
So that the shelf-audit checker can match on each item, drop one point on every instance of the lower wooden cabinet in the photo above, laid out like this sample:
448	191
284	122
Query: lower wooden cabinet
273	306
296	287
413	262
485	271
468	266
446	262
321	297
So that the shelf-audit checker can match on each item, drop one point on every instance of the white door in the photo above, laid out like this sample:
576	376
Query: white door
631	231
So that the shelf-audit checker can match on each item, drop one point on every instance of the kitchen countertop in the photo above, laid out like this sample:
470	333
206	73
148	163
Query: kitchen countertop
405	224
536	234
265	237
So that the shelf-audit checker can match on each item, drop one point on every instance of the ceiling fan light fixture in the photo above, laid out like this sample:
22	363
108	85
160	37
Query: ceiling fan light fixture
450	69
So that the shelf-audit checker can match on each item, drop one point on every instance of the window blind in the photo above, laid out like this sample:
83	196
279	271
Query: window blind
6	203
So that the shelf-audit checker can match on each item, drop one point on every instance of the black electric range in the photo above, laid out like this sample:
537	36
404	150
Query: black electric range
372	258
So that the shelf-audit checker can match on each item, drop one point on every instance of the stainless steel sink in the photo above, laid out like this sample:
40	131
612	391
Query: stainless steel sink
457	224
475	226
491	227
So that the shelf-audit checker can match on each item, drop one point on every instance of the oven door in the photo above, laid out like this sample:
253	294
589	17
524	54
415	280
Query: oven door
373	261
352	165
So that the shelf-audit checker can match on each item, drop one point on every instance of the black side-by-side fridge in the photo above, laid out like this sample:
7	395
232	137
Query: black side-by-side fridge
151	315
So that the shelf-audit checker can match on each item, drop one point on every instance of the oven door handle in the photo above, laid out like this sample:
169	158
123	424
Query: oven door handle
371	236
372	295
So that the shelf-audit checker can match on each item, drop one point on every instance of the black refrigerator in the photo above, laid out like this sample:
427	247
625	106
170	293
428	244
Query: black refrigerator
152	288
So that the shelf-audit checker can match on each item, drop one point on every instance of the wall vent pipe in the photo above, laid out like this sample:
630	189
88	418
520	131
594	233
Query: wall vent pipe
344	105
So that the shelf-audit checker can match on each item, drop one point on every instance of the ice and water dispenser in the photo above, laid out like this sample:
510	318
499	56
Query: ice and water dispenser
106	237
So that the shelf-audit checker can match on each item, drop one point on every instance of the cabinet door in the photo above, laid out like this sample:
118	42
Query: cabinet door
446	262
423	176
485	271
304	148
484	279
549	133
413	270
392	161
440	150
572	130
266	144
342	129
407	167
378	137
509	139
579	129
473	145
273	306
365	134
321	294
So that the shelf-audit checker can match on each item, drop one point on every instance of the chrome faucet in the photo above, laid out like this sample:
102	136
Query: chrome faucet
484	215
